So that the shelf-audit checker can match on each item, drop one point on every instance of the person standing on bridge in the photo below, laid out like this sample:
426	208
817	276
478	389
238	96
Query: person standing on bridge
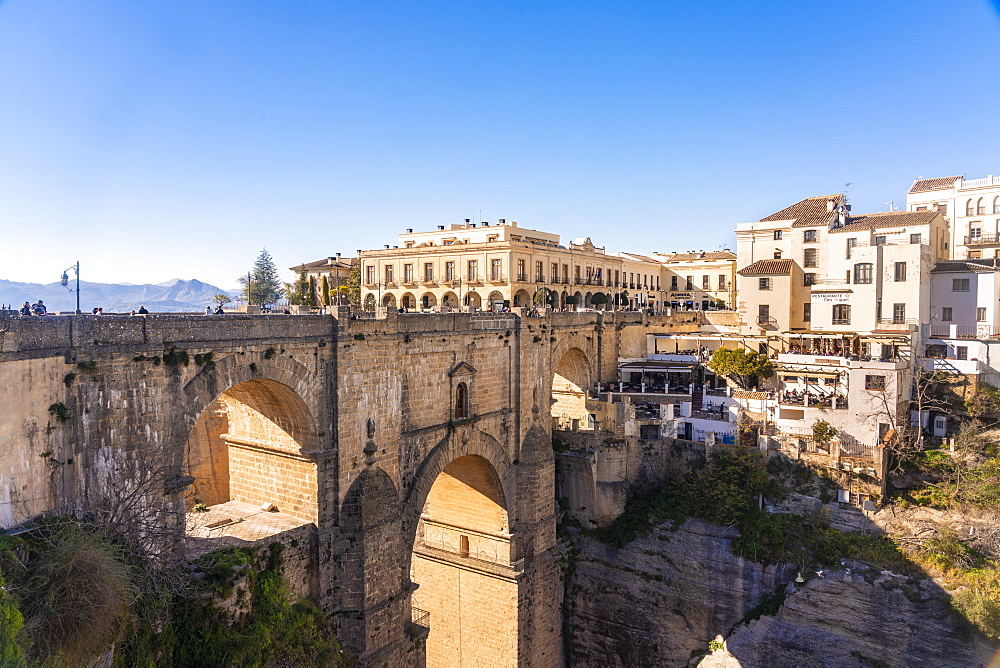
25	309
142	310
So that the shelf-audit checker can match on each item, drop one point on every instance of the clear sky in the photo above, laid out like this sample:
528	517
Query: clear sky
153	140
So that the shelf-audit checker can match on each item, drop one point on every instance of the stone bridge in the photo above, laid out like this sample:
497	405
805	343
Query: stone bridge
411	453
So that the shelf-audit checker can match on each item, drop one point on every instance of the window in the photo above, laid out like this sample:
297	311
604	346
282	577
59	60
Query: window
914	238
370	274
975	233
777	255
876	383
473	274
980	314
959	285
996	204
943	208
539	272
706	282
809	257
449	271
807	312
576	273
388	273
945	314
554	276
407	273
428	271
522	274
722	281
898	313
495	270
777	235
673	282
565	273
920	208
809	236
969	209
763	313
461	402
863	273
962	352
764	283
851	243
690	282
980	207
975	254
880	240
900	272
808	279
841	314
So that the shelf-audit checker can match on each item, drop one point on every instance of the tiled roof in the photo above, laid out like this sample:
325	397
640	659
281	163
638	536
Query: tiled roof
984	264
325	263
750	394
706	255
809	212
923	185
636	256
873	221
767	268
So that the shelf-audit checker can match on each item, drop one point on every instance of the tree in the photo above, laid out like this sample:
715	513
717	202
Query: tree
354	284
599	298
262	286
823	433
325	291
312	292
301	293
741	365
572	300
222	299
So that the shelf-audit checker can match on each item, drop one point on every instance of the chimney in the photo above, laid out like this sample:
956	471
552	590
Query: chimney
468	220
485	224
409	230
387	246
830	203
440	227
338	256
503	221
472	224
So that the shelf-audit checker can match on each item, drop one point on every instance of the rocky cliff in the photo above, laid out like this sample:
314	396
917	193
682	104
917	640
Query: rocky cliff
661	600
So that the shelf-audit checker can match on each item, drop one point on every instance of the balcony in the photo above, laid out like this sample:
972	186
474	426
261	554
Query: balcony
767	322
497	279
982	239
895	324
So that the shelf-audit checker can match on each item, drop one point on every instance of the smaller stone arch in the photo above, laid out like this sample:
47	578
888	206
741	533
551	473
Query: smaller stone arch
389	301
428	300
408	301
474	300
495	300
369	302
522	298
586	300
449	299
571	379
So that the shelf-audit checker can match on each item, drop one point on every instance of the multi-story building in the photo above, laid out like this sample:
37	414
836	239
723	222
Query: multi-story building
486	266
972	206
337	272
699	280
641	285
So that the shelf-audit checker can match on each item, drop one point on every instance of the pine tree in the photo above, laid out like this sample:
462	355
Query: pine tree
312	292
262	286
326	291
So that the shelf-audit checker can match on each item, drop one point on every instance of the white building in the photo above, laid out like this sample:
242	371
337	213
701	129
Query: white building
972	206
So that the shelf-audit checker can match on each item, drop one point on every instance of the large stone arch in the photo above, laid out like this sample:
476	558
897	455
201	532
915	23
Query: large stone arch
572	378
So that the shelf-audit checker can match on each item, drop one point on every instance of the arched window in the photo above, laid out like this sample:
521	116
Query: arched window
461	401
969	209
863	273
370	302
996	204
980	207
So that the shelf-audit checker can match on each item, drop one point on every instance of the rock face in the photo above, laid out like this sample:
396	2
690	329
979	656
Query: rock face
661	599
844	620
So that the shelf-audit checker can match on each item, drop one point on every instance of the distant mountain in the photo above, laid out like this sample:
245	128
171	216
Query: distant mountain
174	296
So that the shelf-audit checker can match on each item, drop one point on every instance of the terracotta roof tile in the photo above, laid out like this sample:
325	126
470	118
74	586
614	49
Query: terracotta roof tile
750	394
326	263
874	221
809	212
974	264
767	268
924	185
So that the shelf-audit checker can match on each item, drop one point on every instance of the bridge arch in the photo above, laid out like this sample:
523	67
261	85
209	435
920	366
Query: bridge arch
462	560
572	378
251	434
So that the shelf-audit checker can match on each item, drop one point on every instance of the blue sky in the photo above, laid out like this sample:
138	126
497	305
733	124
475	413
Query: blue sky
159	140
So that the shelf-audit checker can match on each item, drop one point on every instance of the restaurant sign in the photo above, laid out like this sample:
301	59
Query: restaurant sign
831	297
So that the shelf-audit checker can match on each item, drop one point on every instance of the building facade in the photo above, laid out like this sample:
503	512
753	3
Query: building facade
699	280
337	272
972	207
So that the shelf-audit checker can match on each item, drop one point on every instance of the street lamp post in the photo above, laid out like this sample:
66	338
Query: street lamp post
64	280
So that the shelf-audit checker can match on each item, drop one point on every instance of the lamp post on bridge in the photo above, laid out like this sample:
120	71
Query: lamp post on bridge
64	281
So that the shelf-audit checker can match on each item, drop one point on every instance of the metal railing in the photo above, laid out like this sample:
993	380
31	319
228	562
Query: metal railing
971	240
420	617
767	322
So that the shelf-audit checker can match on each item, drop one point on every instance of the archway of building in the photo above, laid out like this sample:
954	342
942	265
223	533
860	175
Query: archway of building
449	299
247	445
571	379
495	300
586	300
579	301
462	567
562	300
522	298
428	300
408	301
473	299
389	301
369	302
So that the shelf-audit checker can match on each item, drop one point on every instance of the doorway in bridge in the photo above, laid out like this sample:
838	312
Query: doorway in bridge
246	452
462	566
570	382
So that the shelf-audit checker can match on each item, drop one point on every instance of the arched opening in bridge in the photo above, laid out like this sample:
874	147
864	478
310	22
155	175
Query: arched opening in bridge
462	566
570	382
246	452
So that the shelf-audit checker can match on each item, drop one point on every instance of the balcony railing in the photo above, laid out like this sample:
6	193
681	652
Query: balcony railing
982	239
497	279
767	322
895	323
979	183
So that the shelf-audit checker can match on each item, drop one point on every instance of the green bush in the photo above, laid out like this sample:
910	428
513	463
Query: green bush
979	601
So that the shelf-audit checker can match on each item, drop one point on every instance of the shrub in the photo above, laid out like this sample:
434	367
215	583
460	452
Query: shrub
979	602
